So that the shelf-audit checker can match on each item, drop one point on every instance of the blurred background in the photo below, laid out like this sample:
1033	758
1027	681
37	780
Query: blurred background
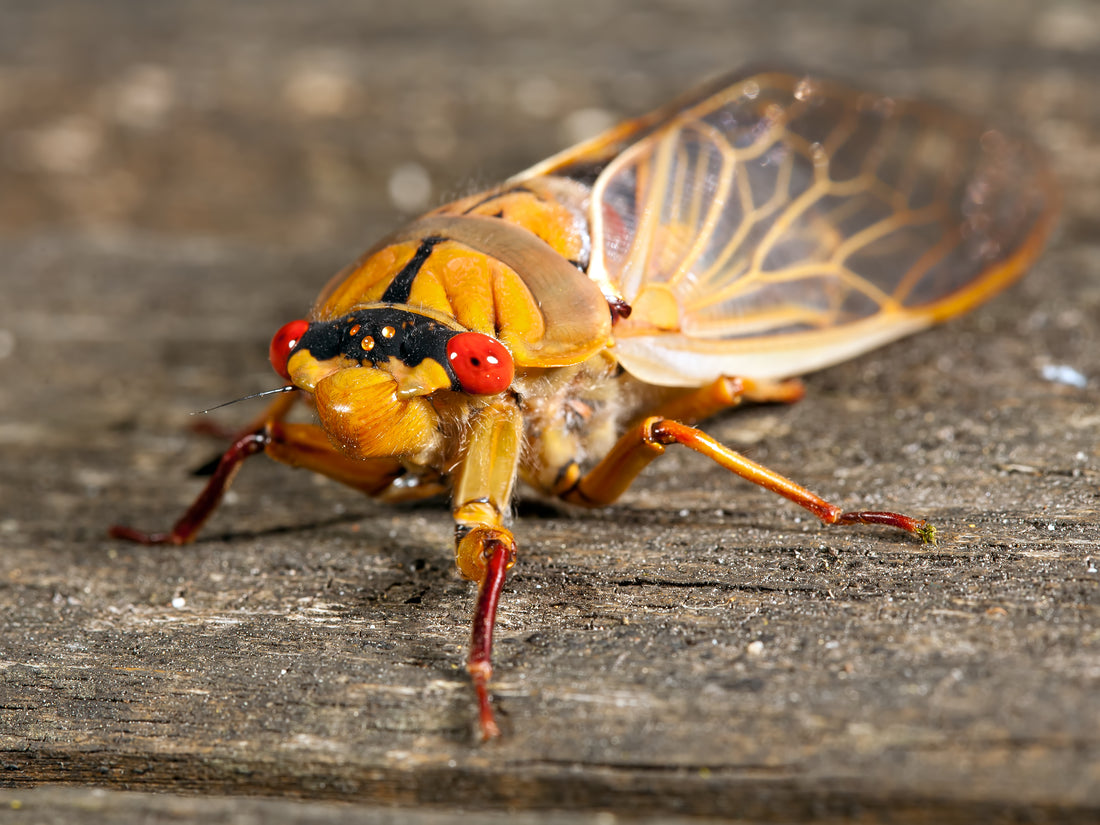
313	124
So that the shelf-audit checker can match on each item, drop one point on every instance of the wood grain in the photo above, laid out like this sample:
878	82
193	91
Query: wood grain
172	191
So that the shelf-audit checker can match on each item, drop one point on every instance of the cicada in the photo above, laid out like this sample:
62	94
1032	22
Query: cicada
567	326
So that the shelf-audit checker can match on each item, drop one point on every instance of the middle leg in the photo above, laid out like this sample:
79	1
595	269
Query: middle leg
641	444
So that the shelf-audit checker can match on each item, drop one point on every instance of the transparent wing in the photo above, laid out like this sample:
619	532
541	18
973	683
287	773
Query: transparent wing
785	223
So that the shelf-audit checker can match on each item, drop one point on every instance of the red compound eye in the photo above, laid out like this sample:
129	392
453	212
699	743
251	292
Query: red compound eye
481	363
285	340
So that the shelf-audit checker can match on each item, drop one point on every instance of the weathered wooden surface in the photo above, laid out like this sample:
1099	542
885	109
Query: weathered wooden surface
54	805
176	180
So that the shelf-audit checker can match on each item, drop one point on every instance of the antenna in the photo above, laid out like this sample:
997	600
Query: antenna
288	388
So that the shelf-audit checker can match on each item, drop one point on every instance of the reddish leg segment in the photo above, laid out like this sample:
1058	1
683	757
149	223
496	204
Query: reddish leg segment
185	529
499	557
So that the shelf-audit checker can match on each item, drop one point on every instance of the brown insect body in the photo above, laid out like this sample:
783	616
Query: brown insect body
568	325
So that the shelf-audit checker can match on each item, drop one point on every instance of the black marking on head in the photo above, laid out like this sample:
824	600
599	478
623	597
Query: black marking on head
400	287
377	334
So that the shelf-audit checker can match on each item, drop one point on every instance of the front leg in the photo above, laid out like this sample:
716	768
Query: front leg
299	445
484	547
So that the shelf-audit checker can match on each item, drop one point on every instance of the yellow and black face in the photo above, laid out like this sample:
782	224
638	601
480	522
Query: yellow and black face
372	373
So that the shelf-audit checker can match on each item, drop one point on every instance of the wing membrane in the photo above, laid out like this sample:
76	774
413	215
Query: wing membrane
785	223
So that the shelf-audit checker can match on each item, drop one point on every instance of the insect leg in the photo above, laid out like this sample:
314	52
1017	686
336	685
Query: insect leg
728	392
789	391
308	446
695	405
299	445
200	510
484	548
644	442
498	558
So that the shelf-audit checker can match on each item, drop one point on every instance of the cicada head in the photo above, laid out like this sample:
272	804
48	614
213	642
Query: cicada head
375	374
